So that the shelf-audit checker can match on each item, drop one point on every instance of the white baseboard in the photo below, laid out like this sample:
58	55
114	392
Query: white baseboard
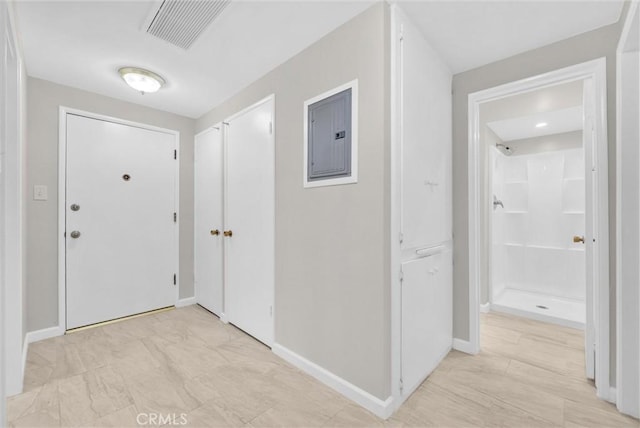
186	302
463	346
485	308
45	333
380	408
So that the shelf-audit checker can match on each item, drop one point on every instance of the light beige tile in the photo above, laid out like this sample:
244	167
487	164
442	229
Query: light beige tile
132	359
212	414
302	414
123	418
354	416
160	390
41	407
528	374
591	416
37	419
86	397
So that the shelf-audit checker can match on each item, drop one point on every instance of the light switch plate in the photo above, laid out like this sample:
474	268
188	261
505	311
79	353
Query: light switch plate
40	192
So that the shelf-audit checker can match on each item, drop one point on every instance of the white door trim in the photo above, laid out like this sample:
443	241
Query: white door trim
12	266
596	70
62	197
628	400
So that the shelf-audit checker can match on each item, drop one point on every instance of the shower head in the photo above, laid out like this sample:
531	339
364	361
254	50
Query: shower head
505	150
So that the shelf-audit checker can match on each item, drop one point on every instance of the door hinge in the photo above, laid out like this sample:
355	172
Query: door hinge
270	127
175	154
401	237
401	385
401	276
175	217
271	311
174	279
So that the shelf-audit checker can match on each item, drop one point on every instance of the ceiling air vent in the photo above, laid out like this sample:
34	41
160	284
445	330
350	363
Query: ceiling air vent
180	22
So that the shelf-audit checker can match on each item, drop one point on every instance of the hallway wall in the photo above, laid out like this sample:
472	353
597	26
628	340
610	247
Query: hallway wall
44	100
584	47
332	295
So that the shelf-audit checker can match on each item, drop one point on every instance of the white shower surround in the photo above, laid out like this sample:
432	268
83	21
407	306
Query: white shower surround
535	261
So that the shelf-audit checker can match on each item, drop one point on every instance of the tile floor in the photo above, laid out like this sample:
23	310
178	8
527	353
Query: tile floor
186	361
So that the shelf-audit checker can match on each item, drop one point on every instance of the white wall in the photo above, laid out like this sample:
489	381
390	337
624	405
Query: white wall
544	207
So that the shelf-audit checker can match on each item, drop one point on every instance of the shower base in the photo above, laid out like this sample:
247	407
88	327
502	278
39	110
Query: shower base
541	307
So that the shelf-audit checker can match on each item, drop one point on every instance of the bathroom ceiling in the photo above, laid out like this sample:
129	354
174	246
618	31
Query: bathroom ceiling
83	43
556	122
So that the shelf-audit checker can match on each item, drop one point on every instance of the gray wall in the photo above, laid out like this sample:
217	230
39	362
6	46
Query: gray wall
44	99
584	47
332	244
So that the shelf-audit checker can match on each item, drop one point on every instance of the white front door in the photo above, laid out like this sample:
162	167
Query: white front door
208	255
249	220
121	247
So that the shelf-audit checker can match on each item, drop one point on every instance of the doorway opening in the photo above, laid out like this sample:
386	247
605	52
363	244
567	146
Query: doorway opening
538	206
534	228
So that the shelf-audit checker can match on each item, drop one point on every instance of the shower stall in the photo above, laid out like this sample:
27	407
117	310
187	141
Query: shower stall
537	267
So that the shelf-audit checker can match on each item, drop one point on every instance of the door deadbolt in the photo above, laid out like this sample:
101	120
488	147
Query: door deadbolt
215	232
126	177
228	233
75	207
75	234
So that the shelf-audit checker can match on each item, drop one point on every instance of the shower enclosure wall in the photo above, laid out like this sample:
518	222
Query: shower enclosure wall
537	269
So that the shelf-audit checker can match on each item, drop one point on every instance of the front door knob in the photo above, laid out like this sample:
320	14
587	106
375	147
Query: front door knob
75	234
228	233
578	239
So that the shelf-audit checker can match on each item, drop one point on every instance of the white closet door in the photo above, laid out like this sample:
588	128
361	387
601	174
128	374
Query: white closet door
426	144
249	216
208	255
121	247
426	316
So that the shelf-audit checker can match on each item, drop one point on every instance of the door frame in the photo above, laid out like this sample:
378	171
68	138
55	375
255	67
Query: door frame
225	192
12	274
596	70
627	390
62	198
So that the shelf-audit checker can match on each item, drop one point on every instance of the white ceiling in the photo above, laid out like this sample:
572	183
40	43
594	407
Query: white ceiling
83	43
558	122
469	34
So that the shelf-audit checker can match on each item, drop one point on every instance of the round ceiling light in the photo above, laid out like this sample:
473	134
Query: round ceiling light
141	80
541	124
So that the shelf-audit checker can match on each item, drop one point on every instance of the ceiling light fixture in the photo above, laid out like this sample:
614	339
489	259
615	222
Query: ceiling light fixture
541	124
141	80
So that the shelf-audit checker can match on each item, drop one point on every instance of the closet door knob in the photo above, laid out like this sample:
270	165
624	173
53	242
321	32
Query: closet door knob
215	232
228	233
